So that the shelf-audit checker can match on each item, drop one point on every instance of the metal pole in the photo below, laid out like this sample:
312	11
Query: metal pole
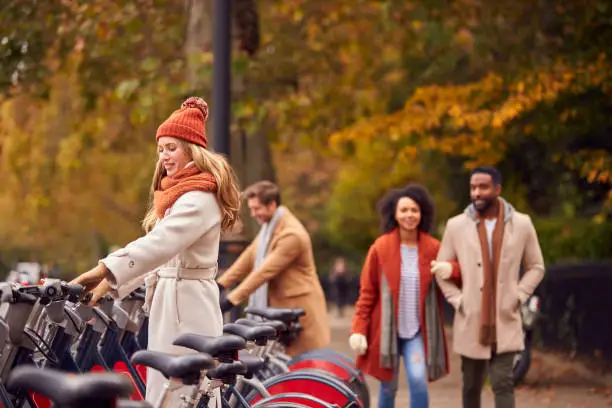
221	107
222	51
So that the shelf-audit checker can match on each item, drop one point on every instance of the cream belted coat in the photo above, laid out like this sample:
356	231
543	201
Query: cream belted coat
178	258
520	246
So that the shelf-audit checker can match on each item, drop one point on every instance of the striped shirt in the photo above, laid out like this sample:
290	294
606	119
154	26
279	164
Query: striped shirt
408	320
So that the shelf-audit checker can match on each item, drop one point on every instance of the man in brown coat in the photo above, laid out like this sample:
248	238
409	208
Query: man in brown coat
490	240
278	268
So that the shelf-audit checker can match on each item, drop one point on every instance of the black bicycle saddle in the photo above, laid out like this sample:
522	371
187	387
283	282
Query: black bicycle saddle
70	390
258	334
225	370
286	316
188	367
275	324
223	348
253	363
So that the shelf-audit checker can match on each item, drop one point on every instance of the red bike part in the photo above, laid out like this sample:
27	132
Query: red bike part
121	368
330	355
323	365
297	399
40	401
318	389
142	370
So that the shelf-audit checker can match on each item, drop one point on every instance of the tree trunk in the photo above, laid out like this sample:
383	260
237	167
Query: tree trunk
252	159
198	41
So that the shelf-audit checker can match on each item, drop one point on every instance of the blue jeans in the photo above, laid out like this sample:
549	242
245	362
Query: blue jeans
413	354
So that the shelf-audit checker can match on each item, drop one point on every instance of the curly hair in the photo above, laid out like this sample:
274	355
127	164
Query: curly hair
388	205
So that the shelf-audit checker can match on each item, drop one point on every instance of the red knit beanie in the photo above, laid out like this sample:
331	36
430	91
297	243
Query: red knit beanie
187	123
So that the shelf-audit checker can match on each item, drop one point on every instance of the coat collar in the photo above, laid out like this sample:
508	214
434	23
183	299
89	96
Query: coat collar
388	247
470	211
389	244
285	221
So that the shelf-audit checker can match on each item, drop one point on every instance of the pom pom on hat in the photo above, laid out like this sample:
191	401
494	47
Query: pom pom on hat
198	103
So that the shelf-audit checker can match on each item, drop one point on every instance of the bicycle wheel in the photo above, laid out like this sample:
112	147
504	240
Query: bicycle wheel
335	354
318	384
294	398
268	371
328	353
334	365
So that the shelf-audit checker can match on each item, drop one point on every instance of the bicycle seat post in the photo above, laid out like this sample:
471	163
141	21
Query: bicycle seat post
166	395
204	387
266	350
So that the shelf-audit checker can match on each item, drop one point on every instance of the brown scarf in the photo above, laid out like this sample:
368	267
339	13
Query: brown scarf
172	187
491	267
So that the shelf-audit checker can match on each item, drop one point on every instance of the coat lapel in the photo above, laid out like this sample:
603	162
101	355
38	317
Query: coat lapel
508	248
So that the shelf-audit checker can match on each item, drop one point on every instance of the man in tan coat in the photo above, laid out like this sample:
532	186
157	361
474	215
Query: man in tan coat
278	268
490	240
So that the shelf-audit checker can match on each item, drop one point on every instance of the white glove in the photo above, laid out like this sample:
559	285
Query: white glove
358	343
442	269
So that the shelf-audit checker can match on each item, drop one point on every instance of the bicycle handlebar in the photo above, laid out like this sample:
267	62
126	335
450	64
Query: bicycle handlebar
136	296
51	290
87	298
72	291
23	297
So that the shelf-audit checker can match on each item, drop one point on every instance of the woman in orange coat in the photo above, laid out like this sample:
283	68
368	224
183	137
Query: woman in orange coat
399	310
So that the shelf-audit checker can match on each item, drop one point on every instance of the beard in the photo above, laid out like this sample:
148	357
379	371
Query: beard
483	204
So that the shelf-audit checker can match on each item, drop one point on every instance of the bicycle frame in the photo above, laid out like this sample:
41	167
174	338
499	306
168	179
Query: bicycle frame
81	339
241	384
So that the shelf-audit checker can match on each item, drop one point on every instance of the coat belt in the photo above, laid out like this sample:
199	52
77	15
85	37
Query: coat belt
178	273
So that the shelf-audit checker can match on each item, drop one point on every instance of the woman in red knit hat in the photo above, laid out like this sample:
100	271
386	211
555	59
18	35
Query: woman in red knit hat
399	310
194	196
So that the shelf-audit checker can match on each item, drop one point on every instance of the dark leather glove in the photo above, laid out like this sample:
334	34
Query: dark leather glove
221	288
225	303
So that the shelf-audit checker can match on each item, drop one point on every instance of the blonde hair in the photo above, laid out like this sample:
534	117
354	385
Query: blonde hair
228	190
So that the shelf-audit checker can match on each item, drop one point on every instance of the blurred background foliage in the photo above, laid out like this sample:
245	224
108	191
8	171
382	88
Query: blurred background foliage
336	100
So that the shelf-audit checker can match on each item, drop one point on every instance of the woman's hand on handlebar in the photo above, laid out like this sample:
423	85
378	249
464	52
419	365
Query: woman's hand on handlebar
99	291
92	279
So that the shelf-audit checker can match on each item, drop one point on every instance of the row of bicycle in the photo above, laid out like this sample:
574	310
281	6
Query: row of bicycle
49	335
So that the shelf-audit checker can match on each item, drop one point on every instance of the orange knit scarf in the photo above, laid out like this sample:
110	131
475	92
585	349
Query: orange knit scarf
172	187
490	263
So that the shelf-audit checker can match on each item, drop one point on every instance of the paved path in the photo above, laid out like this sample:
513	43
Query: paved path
549	384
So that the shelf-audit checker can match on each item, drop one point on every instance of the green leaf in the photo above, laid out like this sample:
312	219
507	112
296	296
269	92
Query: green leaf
125	89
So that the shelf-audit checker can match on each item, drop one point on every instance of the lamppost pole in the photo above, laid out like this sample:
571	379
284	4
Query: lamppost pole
232	244
221	97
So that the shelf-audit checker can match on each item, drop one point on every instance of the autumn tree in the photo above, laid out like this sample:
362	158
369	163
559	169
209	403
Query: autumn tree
528	91
86	85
